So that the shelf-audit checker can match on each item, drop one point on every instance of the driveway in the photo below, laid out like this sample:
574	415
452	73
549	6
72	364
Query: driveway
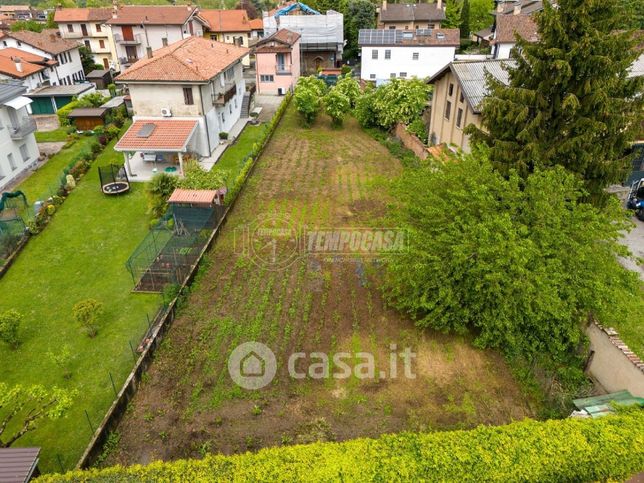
46	122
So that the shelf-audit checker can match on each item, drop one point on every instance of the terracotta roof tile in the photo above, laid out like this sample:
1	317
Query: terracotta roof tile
523	25
82	14
227	20
8	67
193	59
152	15
169	135
280	41
257	24
48	40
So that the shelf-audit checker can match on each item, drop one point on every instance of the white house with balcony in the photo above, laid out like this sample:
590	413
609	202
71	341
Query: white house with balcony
392	53
87	27
18	148
137	31
65	66
183	97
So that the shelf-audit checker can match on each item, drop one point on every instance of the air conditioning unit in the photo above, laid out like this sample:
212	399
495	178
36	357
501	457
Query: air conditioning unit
166	112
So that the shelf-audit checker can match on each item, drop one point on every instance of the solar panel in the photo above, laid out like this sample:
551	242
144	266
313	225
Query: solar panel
424	32
378	36
146	130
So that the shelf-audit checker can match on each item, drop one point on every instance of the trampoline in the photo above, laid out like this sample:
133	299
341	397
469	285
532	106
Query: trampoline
114	180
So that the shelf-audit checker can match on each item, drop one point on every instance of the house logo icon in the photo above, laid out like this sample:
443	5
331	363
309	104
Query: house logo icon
252	365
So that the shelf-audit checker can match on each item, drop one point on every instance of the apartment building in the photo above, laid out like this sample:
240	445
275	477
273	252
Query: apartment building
228	26
87	27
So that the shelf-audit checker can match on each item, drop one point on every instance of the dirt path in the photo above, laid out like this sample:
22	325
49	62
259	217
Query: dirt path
318	178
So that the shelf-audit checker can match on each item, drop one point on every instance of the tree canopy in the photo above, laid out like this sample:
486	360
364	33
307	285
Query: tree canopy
569	101
522	263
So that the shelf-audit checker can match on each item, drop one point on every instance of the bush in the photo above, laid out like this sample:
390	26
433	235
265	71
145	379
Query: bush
602	449
308	97
112	131
417	127
336	105
223	135
349	87
88	313
9	325
158	190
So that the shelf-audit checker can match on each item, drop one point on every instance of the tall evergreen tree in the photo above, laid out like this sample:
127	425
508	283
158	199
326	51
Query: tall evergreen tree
569	100
465	20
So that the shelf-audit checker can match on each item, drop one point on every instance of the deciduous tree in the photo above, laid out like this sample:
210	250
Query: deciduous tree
308	97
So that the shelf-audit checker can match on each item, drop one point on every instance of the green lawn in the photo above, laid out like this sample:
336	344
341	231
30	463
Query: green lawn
80	254
45	180
59	134
232	159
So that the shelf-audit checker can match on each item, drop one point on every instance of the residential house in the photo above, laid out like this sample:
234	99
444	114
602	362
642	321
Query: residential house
322	36
277	62
14	12
507	28
183	97
387	54
228	26
459	89
31	69
68	68
256	30
516	7
136	31
18	148
411	16
87	26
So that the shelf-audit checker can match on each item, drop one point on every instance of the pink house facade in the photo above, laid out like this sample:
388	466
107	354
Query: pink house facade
277	62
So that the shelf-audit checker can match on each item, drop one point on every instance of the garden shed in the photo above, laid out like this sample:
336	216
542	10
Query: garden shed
19	465
197	198
47	100
102	78
88	118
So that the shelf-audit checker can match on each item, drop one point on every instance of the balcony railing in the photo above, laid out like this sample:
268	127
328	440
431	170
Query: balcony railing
23	128
283	70
118	38
222	99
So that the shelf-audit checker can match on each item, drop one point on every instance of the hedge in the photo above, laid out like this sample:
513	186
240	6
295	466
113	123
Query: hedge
611	447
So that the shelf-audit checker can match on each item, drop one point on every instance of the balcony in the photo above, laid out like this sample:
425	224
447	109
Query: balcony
222	99
283	69
136	40
23	128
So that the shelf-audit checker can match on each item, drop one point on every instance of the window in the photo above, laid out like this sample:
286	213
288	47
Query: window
392	75
387	54
266	78
70	27
448	110
392	27
230	108
69	81
12	162
19	43
98	27
187	96
374	54
87	45
414	56
461	98
164	41
4	43
459	117
450	91
101	44
24	153
223	119
403	74
372	76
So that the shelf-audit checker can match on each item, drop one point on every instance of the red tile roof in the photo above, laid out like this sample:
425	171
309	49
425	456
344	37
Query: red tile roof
48	40
31	63
226	20
281	41
82	14
196	197
194	59
523	25
167	135
257	24
152	15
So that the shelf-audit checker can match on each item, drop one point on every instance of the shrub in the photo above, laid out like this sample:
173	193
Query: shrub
62	359
88	313
308	97
223	135
417	127
158	190
349	87
608	448
9	325
112	131
336	105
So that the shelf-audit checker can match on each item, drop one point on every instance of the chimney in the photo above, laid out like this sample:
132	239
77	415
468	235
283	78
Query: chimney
148	52
439	4
18	64
517	9
384	5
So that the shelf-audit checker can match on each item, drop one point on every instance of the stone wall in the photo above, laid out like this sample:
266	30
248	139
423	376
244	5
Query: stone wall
410	141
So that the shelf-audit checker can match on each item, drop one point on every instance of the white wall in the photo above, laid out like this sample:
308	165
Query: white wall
10	146
430	60
502	51
61	71
31	82
93	36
